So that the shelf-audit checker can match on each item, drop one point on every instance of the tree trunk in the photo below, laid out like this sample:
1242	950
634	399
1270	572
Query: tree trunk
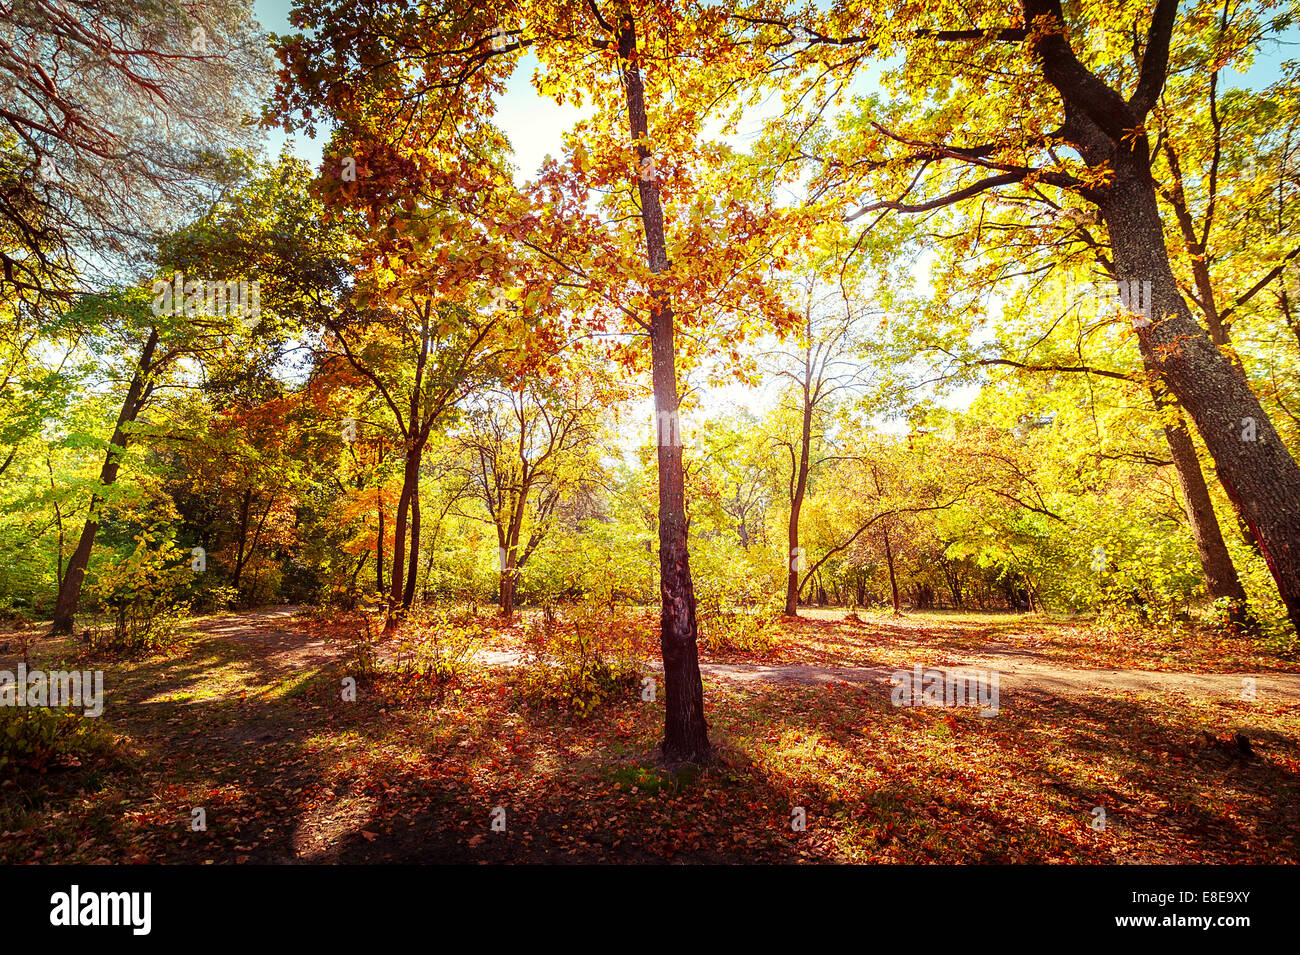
65	608
399	552
685	730
1253	464
413	568
379	547
796	504
245	511
1221	580
893	581
513	529
506	591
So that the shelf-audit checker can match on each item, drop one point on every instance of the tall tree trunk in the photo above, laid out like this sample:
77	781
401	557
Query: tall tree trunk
402	597
1253	464
1221	580
685	730
889	560
796	504
513	530
399	552
413	569
1220	331
506	591
245	510
379	544
137	393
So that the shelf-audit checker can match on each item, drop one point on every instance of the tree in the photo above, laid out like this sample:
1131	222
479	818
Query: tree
1081	77
144	375
1074	347
421	359
110	109
879	482
739	461
242	471
557	251
826	362
530	445
150	335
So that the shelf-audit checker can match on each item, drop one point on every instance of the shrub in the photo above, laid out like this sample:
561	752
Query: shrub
212	597
735	612
737	629
137	603
359	641
584	657
12	611
32	739
434	649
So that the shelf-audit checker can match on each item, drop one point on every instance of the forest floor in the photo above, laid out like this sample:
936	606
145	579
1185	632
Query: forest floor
243	718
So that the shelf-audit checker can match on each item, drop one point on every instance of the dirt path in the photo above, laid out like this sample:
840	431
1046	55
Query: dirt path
274	630
1021	672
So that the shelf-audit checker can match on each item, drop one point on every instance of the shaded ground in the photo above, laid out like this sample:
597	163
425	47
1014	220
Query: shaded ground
246	721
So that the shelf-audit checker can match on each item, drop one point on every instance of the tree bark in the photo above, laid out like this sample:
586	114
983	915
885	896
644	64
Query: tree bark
1108	130
1221	580
685	730
510	536
399	551
796	503
506	590
379	545
137	394
413	568
889	560
245	510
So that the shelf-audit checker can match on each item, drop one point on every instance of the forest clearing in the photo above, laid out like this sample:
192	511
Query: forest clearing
642	432
247	722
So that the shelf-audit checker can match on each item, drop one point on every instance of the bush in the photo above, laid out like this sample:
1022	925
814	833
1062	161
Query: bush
746	631
584	657
12	611
212	597
137	603
734	611
33	739
1274	632
434	649
359	642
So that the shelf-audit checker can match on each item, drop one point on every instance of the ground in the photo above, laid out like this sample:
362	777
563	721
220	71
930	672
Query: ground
245	719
